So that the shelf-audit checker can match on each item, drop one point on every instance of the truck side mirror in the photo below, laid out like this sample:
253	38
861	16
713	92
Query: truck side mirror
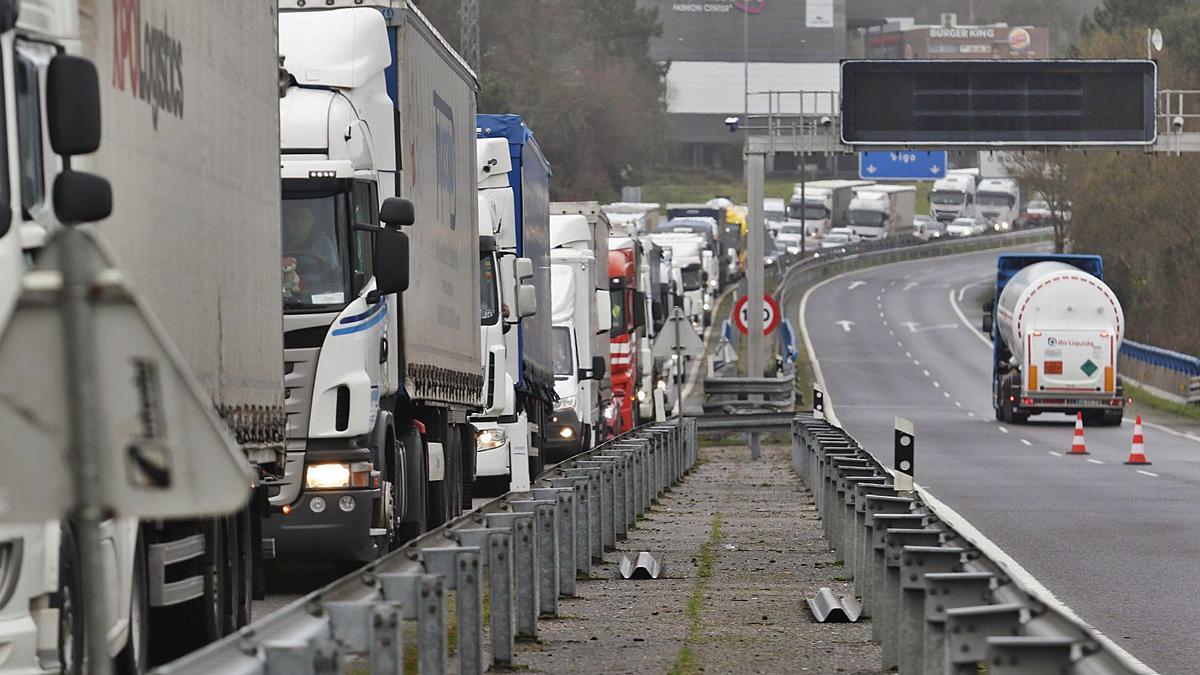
639	309
73	105
391	264
527	302
523	269
397	212
603	311
81	197
599	368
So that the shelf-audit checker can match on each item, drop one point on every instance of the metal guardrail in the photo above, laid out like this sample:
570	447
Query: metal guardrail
943	598
1171	373
524	548
750	421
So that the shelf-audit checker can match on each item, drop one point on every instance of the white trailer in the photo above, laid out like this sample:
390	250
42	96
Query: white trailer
880	211
828	203
189	115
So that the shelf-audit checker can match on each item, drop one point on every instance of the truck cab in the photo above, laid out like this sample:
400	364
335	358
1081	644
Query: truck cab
953	197
628	315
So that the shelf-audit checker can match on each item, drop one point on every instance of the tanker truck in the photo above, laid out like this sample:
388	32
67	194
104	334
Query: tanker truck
1056	334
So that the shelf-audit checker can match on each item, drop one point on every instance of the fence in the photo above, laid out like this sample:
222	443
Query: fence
1175	376
942	597
523	550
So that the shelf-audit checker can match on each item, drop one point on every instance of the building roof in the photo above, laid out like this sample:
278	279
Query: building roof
716	87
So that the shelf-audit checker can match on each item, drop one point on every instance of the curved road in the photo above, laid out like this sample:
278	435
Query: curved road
1118	544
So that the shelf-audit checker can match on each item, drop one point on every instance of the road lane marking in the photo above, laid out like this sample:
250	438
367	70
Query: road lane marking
879	305
964	288
881	314
1148	473
957	404
855	284
878	298
908	354
898	343
844	324
916	362
892	333
936	384
1095	461
1002	430
946	394
970	328
970	414
926	373
1056	454
910	285
1026	442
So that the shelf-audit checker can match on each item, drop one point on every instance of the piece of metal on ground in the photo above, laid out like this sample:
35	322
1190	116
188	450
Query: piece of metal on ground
827	608
644	565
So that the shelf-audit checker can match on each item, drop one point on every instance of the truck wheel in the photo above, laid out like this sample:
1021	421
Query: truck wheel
416	484
70	605
1112	418
241	584
215	602
134	658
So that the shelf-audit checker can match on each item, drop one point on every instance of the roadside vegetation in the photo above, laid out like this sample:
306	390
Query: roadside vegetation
685	661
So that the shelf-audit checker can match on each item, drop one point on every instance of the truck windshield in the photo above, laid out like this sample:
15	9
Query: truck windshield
946	197
995	199
866	219
691	278
811	212
315	250
564	354
617	297
489	302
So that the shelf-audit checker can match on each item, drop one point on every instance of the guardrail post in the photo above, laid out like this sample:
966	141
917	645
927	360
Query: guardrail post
525	568
594	511
459	568
496	546
565	538
897	539
886	591
863	557
620	465
607	529
944	591
915	562
886	507
350	623
967	631
387	639
630	484
583	542
851	527
431	625
302	657
846	473
547	551
1029	655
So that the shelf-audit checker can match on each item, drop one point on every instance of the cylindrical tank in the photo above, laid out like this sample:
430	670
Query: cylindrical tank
1054	295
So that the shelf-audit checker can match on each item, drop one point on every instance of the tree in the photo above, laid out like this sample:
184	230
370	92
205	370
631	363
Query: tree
1048	176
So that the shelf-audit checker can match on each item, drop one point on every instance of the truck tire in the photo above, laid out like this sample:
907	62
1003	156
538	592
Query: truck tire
415	521
70	605
1112	418
241	596
134	658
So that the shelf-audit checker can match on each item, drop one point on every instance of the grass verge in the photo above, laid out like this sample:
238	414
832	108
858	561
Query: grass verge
685	661
1148	400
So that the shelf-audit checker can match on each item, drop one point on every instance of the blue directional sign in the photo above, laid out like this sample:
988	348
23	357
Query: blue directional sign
902	164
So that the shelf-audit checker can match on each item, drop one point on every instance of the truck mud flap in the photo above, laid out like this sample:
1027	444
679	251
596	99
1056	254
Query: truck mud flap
164	593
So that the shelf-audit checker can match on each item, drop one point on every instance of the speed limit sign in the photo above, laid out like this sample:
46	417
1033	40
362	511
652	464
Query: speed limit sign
770	314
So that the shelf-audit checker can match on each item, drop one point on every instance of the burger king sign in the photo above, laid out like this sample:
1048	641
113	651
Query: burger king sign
1019	39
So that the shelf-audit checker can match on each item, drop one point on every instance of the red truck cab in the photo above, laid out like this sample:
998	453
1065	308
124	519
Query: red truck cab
626	312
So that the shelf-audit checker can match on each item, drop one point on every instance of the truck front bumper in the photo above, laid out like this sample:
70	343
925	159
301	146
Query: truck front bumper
319	527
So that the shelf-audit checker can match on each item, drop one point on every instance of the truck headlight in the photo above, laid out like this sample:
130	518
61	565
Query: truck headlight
641	395
565	403
713	283
794	250
337	475
706	306
490	439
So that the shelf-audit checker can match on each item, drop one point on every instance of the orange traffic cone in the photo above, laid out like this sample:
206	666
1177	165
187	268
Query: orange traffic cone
1137	454
1077	445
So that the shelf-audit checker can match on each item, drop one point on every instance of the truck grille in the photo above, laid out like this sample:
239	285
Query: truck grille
299	373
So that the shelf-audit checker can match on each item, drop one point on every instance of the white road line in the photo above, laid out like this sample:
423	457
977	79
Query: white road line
1169	430
916	362
878	298
881	314
1026	442
1056	454
957	404
908	354
1148	473
898	343
893	334
1095	461
946	394
963	317
926	373
1002	430
970	414
936	384
964	288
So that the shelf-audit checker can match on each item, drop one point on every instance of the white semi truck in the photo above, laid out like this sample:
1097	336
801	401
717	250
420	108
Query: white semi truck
953	196
880	211
377	144
998	201
826	203
189	142
690	269
580	346
1057	331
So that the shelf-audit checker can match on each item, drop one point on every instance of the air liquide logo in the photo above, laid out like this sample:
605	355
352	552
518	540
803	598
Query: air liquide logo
147	59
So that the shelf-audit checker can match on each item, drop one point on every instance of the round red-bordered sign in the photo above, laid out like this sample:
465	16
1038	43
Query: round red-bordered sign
770	314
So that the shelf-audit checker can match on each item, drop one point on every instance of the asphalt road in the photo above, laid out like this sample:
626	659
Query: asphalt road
1119	544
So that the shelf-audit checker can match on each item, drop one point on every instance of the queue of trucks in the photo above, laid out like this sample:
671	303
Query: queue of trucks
434	320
